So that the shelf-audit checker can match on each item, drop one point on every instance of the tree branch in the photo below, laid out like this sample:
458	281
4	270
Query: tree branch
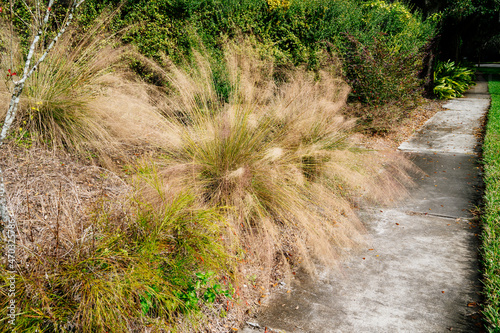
5	216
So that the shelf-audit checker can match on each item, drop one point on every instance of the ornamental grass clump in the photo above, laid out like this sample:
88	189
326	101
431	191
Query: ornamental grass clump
277	156
83	98
105	259
55	105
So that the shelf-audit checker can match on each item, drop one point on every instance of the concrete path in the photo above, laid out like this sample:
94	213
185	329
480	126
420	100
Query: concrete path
420	270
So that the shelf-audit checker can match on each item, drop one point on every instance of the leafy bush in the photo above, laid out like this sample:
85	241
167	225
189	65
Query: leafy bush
396	20
452	80
379	75
294	33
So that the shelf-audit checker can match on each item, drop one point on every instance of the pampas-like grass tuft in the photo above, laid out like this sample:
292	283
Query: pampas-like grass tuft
278	156
85	100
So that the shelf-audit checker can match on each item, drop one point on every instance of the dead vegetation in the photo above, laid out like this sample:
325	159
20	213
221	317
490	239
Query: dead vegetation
53	199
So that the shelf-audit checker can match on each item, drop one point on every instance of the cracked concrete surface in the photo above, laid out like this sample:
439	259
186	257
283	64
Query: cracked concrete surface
419	272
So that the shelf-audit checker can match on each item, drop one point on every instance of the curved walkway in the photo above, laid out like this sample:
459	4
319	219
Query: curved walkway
420	272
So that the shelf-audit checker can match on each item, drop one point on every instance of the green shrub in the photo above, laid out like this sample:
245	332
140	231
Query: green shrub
379	75
294	33
452	80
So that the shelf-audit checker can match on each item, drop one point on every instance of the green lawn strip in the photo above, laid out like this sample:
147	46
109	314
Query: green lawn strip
491	216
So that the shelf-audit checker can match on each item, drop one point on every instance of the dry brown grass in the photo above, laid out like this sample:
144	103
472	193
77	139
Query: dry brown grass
277	155
77	230
53	198
399	131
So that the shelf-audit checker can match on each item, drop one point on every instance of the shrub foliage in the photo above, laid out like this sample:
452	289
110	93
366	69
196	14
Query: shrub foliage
452	80
296	32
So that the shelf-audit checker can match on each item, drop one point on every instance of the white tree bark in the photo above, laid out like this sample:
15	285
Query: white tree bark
5	215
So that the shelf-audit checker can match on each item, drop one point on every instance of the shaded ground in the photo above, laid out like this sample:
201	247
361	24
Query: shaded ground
419	272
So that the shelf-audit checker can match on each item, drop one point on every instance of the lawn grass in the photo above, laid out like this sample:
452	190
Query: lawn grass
491	216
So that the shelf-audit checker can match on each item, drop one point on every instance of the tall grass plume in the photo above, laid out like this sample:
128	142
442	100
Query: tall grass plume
84	99
278	155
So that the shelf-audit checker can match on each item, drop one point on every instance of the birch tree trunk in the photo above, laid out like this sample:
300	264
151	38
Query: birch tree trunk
5	216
